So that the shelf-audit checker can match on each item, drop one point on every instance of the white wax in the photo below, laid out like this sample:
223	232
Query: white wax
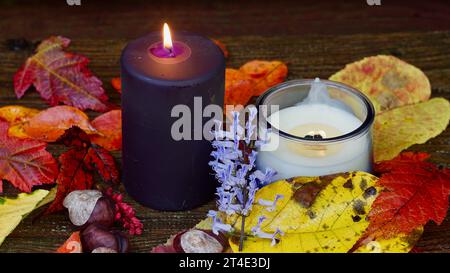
291	117
292	159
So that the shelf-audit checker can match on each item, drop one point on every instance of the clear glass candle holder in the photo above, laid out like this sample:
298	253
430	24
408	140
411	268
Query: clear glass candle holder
316	154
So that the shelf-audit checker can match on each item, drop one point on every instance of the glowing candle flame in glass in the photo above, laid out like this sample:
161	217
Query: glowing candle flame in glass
322	128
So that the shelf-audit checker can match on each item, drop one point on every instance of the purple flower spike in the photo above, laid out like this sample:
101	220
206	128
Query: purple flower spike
234	159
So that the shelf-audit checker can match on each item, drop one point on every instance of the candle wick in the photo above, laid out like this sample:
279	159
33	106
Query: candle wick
170	51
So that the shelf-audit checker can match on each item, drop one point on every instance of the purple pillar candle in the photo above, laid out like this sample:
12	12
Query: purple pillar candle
158	171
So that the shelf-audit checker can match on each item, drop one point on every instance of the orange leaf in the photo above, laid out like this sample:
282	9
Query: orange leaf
109	126
238	87
17	116
25	162
265	73
117	84
50	124
251	80
72	245
222	47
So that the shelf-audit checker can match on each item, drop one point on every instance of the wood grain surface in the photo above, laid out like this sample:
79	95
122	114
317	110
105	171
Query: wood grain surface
308	56
115	19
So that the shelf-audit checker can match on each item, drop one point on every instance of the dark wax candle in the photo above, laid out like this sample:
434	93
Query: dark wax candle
158	171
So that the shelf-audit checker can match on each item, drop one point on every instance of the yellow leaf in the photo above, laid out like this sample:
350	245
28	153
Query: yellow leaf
400	128
388	81
205	224
48	198
317	214
401	244
13	210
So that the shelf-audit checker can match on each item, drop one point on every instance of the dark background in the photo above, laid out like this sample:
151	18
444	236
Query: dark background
130	19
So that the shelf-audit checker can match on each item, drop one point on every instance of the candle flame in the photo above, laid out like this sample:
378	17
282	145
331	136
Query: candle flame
167	37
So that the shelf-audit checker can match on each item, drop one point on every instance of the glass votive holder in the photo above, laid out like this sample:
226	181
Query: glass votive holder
315	139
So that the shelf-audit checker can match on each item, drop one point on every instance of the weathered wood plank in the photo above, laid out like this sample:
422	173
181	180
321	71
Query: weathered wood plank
131	18
308	56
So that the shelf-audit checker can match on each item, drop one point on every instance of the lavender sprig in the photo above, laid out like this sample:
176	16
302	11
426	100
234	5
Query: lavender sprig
234	158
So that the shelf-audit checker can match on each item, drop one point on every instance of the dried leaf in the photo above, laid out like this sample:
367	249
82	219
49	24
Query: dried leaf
46	200
25	162
388	81
17	116
163	249
402	243
238	87
222	47
265	74
400	128
109	128
168	247
79	164
72	245
315	207
13	210
117	84
50	124
415	192
252	79
61	77
331	220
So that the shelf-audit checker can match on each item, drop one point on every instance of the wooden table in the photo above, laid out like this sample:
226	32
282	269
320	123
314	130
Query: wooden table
307	55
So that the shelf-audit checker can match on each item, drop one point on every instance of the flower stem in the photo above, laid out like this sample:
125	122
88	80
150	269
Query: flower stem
245	194
241	239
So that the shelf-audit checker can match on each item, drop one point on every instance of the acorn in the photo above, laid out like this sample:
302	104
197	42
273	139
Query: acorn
89	206
98	238
199	241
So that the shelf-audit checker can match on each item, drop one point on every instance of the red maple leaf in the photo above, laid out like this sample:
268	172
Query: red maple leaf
25	162
415	192
79	164
61	77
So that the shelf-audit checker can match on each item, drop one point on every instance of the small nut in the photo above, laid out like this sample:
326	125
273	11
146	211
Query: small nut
198	241
96	236
81	204
88	207
103	250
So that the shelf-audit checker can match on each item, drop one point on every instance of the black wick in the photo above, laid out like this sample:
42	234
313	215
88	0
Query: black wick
316	136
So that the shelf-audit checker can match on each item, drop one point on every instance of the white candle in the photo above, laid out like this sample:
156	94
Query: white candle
322	118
